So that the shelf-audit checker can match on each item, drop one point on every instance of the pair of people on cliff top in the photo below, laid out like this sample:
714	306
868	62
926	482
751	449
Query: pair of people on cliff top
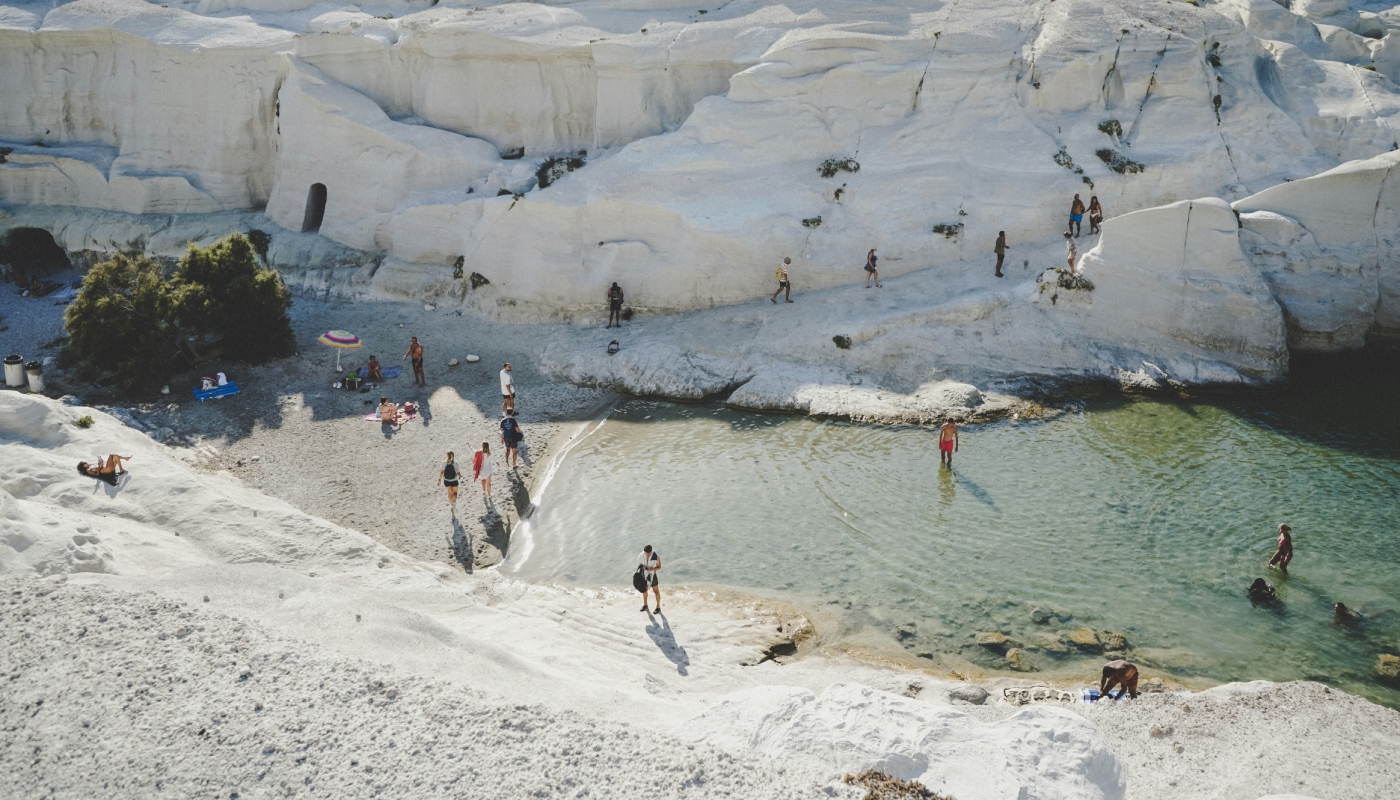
1076	215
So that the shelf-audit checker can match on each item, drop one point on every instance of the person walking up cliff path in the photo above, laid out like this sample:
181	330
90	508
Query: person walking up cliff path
1000	250
784	282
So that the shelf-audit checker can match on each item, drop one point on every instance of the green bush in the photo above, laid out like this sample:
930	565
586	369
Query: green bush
120	321
221	291
84	421
831	166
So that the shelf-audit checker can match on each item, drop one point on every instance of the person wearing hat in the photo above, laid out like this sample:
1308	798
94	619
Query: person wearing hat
784	283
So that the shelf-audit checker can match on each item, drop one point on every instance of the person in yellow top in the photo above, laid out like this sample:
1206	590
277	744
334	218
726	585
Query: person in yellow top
784	284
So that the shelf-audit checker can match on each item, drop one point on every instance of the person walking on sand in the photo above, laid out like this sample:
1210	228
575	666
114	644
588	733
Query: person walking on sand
1119	673
947	443
1071	252
614	305
784	283
871	269
1284	554
507	390
511	437
1095	215
1000	250
1076	215
415	351
483	465
447	476
648	564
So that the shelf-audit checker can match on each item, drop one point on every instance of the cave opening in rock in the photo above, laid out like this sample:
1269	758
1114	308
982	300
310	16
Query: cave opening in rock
32	251
315	208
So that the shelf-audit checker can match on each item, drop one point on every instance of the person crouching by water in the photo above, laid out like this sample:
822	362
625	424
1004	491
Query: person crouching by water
1284	554
1119	673
1261	593
483	465
648	564
447	476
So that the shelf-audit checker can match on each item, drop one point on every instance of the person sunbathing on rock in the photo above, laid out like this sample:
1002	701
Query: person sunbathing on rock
1261	593
1119	673
106	470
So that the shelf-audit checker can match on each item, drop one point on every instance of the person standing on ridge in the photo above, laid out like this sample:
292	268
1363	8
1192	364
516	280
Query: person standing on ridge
648	564
871	269
507	390
510	437
1095	215
1076	215
1284	554
447	476
784	283
1000	250
614	305
415	351
947	443
1071	252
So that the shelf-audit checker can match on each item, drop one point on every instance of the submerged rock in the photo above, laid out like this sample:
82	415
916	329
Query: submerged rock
1113	642
996	642
1388	667
1085	639
1019	660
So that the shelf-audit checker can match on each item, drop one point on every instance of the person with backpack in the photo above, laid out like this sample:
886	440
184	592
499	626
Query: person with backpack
648	564
615	305
482	467
447	476
511	438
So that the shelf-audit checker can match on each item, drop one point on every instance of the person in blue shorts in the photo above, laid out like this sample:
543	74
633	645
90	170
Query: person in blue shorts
1076	215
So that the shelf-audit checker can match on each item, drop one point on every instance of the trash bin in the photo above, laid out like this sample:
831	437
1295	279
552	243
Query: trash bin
35	371
14	370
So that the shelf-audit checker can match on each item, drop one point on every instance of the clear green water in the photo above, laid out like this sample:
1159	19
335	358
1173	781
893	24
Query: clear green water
1145	517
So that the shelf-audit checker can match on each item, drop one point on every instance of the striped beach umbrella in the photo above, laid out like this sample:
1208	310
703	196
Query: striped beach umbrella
340	340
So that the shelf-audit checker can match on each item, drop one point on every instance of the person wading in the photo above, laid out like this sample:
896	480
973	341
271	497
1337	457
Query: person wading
415	351
1284	554
784	282
947	443
1000	250
447	476
615	305
872	271
648	564
1076	215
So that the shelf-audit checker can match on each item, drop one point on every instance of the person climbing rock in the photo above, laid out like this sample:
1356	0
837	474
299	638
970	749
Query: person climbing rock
1000	250
1076	215
947	443
614	305
784	282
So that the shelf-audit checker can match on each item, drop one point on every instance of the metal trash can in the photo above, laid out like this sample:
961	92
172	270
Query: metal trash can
14	370
35	371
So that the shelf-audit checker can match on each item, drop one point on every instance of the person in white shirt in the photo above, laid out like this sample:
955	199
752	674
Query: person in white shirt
507	390
650	562
483	466
1071	252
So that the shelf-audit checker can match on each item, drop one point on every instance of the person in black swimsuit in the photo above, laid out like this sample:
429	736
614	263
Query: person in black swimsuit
447	476
615	305
416	351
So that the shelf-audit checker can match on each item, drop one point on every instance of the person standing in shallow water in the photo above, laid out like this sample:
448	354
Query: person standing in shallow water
614	305
447	476
415	351
947	443
650	563
1284	554
1000	250
1076	216
784	282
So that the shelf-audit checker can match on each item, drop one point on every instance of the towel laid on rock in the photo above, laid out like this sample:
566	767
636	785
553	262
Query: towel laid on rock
389	372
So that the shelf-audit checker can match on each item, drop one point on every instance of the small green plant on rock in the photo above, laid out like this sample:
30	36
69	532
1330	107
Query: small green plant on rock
84	421
882	786
948	231
812	222
842	341
457	267
1111	127
1062	157
478	280
831	166
1118	162
558	166
1068	280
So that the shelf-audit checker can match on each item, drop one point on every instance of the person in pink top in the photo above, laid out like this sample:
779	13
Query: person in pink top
1284	553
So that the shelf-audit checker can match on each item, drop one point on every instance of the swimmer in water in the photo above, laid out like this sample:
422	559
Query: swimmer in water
1345	616
1260	592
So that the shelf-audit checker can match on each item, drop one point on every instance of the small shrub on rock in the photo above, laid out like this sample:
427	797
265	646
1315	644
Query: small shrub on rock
948	231
84	421
557	167
813	222
1111	127
260	242
1067	280
221	291
121	321
881	786
831	166
1063	158
1118	162
842	341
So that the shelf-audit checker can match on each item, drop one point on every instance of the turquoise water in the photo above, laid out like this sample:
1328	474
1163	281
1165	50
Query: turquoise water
1148	518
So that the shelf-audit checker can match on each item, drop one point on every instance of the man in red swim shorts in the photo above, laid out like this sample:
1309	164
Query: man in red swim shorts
947	443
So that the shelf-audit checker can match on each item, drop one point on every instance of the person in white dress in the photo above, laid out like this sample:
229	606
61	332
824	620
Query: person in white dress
483	464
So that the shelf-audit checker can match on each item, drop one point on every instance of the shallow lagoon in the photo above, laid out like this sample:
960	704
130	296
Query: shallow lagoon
1144	517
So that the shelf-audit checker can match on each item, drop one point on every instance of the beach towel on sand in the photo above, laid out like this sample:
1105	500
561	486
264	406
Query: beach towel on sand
389	372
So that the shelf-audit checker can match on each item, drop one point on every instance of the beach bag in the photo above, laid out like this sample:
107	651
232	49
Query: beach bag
639	580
